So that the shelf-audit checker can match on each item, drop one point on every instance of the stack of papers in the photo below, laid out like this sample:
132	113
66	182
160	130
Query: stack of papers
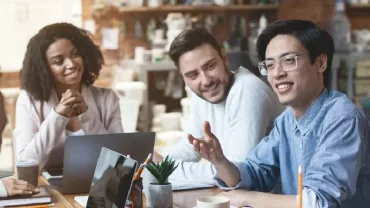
180	186
43	197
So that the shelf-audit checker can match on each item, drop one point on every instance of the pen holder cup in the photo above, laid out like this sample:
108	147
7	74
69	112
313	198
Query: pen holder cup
136	195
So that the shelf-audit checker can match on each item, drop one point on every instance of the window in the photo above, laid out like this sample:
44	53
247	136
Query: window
21	19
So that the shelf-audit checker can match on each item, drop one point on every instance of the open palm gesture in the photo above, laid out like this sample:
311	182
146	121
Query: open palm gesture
209	148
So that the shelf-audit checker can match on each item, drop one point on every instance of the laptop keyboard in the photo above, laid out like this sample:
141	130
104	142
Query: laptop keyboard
56	182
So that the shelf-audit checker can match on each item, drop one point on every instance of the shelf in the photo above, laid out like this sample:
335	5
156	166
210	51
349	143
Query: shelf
359	6
115	12
185	8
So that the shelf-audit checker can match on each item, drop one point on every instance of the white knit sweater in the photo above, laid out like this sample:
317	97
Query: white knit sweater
3	192
239	122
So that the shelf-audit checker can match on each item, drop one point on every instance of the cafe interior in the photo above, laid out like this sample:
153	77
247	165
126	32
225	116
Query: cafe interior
154	103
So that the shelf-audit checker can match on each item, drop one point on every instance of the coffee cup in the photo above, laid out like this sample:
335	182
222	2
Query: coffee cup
213	202
28	170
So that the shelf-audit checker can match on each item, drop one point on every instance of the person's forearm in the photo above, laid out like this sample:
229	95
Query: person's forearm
228	173
259	199
38	144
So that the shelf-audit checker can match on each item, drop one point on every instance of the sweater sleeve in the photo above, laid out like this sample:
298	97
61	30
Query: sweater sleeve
32	141
3	191
250	113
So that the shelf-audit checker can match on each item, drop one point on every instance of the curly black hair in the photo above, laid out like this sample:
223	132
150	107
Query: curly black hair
35	75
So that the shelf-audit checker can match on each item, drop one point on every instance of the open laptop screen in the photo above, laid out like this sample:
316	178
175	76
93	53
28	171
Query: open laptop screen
112	180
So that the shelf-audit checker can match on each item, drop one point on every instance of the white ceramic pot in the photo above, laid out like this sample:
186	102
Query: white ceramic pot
213	202
159	196
138	3
170	138
171	121
175	21
155	3
222	2
159	109
133	90
139	54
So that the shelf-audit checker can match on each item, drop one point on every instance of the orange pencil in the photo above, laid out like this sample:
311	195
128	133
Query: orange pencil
41	205
300	181
142	166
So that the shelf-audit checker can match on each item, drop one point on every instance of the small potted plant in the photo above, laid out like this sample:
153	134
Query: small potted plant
159	193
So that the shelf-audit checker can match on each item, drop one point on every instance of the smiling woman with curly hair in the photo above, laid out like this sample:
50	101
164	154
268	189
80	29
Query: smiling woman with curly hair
58	100
36	76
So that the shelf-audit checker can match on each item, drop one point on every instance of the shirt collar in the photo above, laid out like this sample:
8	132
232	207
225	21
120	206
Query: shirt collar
304	123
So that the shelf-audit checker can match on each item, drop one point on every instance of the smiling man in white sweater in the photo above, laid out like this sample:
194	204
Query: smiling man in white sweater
239	106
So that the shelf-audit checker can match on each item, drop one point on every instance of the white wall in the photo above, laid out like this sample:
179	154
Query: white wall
21	19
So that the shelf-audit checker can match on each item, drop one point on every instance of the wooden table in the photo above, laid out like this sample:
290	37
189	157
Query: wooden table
181	199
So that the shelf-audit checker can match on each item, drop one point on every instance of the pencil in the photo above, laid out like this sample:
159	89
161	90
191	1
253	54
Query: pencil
148	159
142	166
42	206
300	180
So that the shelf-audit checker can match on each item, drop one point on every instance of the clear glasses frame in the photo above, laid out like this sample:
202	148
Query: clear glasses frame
288	62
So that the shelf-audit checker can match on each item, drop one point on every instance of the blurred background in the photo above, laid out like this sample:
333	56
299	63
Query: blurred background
134	36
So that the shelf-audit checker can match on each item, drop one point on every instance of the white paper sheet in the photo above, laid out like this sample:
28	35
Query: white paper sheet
185	185
82	200
129	113
110	38
177	186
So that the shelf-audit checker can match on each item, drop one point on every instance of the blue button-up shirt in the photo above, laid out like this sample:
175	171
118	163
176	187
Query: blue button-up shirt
330	142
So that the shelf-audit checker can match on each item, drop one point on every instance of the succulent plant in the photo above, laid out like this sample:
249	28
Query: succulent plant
162	170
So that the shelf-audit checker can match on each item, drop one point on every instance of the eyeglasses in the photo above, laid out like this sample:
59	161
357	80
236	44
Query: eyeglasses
288	62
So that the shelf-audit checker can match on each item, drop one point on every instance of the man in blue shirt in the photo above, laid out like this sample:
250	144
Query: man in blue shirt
321	130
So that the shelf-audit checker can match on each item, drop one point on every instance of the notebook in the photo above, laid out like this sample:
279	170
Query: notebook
43	197
181	186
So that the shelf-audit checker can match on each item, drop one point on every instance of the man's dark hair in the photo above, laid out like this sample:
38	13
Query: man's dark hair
190	39
36	77
316	40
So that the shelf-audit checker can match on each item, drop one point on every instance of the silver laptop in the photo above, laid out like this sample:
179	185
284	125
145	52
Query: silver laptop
112	180
81	154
